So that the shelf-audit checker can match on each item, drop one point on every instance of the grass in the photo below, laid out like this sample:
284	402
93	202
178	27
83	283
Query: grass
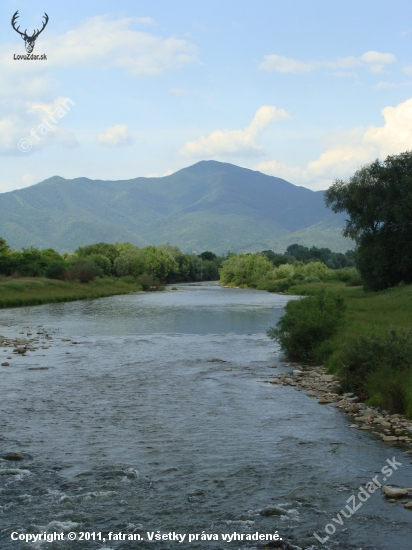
31	291
367	312
370	314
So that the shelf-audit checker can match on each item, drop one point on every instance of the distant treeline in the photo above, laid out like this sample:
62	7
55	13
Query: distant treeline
300	253
151	267
277	272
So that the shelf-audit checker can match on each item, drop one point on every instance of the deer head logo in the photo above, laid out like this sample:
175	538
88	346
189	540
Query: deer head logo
29	41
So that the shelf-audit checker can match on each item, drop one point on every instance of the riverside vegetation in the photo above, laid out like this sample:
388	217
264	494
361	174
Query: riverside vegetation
355	320
33	276
363	337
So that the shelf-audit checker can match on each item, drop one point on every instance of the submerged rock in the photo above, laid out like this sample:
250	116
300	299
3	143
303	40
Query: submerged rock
13	456
272	511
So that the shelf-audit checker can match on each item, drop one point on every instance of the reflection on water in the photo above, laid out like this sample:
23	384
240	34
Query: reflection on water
152	422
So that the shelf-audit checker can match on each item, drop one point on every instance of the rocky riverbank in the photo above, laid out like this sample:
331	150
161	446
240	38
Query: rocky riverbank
21	345
390	428
325	388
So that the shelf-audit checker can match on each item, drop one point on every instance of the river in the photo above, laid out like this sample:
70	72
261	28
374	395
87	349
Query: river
159	420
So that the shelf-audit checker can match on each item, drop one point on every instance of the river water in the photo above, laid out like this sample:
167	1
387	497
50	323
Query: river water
153	423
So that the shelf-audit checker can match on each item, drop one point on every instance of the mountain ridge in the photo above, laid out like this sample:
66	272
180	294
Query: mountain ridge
209	205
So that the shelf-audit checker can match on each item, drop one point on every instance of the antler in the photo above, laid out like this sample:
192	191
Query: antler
13	22
46	19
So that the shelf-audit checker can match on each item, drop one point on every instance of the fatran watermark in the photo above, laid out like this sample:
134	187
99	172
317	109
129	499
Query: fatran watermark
48	123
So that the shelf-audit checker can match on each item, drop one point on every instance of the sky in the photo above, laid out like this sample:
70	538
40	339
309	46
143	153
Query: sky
306	91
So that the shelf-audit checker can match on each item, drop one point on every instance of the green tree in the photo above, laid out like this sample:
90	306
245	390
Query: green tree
132	261
105	249
378	201
4	247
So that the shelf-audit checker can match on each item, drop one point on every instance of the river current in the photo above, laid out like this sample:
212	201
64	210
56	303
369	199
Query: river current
159	419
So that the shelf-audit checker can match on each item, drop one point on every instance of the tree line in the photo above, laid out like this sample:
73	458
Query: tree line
151	267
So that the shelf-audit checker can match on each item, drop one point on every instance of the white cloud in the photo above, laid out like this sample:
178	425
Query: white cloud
27	88
32	125
116	136
235	142
374	61
103	42
395	136
97	42
352	149
28	179
384	84
157	175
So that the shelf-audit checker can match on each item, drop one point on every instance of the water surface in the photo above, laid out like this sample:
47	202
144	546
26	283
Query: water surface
153	422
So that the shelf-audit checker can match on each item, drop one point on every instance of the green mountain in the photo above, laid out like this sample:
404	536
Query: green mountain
208	206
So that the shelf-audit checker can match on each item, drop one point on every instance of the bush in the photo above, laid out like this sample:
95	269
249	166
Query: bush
147	282
55	270
379	367
355	280
102	262
85	271
311	279
279	286
307	323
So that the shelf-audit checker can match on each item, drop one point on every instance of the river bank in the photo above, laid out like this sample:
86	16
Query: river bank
32	291
390	428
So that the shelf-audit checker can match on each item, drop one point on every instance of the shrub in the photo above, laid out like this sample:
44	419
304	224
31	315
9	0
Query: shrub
102	262
311	279
355	280
147	282
307	323
379	367
85	271
279	286
55	270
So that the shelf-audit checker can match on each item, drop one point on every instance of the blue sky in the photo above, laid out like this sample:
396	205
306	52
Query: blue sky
307	91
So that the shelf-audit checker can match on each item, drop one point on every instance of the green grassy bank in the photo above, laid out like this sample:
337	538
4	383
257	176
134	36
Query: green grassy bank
31	291
382	364
367	312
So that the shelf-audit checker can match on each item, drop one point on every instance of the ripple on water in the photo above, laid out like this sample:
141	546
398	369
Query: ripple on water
137	429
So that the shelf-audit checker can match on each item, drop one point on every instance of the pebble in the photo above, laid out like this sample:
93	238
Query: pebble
5	364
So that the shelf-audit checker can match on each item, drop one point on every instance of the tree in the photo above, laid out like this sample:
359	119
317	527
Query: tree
378	201
4	247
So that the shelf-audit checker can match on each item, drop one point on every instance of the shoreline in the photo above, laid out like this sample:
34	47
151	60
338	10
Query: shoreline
391	428
35	291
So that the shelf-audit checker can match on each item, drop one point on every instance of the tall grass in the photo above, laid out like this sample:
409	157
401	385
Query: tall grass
375	338
27	291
